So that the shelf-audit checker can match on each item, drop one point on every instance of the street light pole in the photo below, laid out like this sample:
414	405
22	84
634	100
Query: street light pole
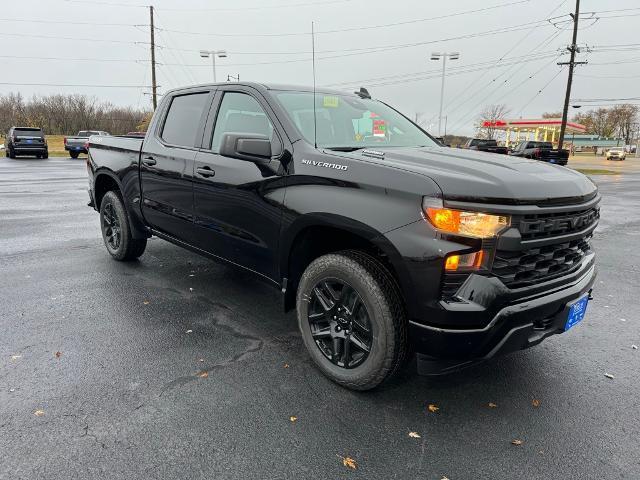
213	54
437	56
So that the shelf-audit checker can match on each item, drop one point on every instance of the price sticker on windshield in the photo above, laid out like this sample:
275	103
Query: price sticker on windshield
330	101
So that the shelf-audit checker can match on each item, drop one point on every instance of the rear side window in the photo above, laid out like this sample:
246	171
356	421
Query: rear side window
183	119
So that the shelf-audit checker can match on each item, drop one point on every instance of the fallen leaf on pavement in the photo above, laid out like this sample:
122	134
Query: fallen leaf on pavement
286	365
38	413
535	402
516	442
58	354
201	359
146	302
492	405
414	435
293	419
433	408
203	374
15	357
189	331
608	375
635	347
444	478
12	390
349	463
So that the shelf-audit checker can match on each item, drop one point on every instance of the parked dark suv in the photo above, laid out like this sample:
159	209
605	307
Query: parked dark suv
26	141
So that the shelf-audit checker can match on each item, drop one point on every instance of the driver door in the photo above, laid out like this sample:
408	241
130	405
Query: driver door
237	203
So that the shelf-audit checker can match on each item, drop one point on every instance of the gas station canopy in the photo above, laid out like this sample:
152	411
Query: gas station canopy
539	129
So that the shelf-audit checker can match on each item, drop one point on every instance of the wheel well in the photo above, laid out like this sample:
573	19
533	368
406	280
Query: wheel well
104	184
313	242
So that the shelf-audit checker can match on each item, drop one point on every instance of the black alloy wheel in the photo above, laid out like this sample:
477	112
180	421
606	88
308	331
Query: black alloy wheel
111	227
339	323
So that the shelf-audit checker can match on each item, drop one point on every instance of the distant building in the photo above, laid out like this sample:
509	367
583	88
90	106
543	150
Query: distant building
541	129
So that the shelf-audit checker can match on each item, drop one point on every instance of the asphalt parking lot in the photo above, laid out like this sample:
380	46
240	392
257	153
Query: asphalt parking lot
177	367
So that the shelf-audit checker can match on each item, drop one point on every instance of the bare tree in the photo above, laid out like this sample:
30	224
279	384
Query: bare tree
486	125
624	119
67	114
552	115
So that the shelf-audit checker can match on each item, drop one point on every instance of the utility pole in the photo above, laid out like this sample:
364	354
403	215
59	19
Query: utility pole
154	86
573	48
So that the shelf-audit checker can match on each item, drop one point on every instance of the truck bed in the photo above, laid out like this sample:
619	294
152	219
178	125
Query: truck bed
114	152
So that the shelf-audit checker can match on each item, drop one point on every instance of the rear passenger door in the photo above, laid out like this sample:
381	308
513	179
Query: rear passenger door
237	203
166	167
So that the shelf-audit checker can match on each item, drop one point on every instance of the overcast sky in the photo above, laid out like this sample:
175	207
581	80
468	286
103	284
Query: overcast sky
105	42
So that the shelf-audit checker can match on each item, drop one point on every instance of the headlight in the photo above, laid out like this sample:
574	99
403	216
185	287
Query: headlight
459	222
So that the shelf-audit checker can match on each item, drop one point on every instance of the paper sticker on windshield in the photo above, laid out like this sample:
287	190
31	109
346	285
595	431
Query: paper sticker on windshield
330	101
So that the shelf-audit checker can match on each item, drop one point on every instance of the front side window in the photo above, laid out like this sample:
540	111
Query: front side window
345	121
183	119
240	113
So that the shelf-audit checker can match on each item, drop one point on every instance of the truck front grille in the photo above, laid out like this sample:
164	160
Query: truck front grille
517	269
527	267
546	225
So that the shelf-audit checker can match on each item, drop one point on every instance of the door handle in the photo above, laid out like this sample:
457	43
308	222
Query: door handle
149	161
205	172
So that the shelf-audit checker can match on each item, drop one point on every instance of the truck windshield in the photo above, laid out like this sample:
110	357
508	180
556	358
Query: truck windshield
348	122
87	133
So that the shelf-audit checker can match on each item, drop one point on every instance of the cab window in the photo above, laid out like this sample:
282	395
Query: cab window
241	113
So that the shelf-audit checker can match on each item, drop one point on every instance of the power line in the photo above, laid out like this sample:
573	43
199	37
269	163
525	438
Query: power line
74	39
71	85
461	99
404	77
264	7
352	29
471	111
541	90
369	50
66	22
72	59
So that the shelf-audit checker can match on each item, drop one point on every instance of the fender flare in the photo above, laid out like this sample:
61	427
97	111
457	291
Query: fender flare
138	228
330	220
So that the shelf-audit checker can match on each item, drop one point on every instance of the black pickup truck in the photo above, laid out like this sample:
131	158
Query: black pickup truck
542	151
485	145
383	241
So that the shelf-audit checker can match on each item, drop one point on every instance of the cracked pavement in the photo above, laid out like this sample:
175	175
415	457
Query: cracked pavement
177	367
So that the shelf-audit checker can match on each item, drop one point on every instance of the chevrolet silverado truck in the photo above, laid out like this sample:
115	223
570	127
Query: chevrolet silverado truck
485	145
385	243
542	151
78	144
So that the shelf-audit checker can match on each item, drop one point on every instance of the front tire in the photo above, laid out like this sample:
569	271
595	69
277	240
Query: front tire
74	155
352	319
116	231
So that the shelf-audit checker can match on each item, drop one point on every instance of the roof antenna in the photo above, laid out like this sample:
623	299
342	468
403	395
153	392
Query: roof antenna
313	56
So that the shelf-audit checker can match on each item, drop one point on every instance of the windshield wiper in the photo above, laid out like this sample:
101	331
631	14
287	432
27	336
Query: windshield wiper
344	149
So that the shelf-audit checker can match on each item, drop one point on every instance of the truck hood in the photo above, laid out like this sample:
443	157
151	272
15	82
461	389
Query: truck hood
481	176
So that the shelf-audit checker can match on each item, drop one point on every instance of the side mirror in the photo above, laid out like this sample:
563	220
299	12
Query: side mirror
246	146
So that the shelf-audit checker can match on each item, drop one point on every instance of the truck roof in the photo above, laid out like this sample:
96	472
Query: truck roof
268	86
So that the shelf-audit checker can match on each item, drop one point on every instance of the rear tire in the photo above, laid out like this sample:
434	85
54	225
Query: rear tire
371	315
74	154
116	231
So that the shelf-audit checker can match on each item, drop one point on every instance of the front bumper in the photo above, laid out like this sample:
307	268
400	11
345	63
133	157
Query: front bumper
519	324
